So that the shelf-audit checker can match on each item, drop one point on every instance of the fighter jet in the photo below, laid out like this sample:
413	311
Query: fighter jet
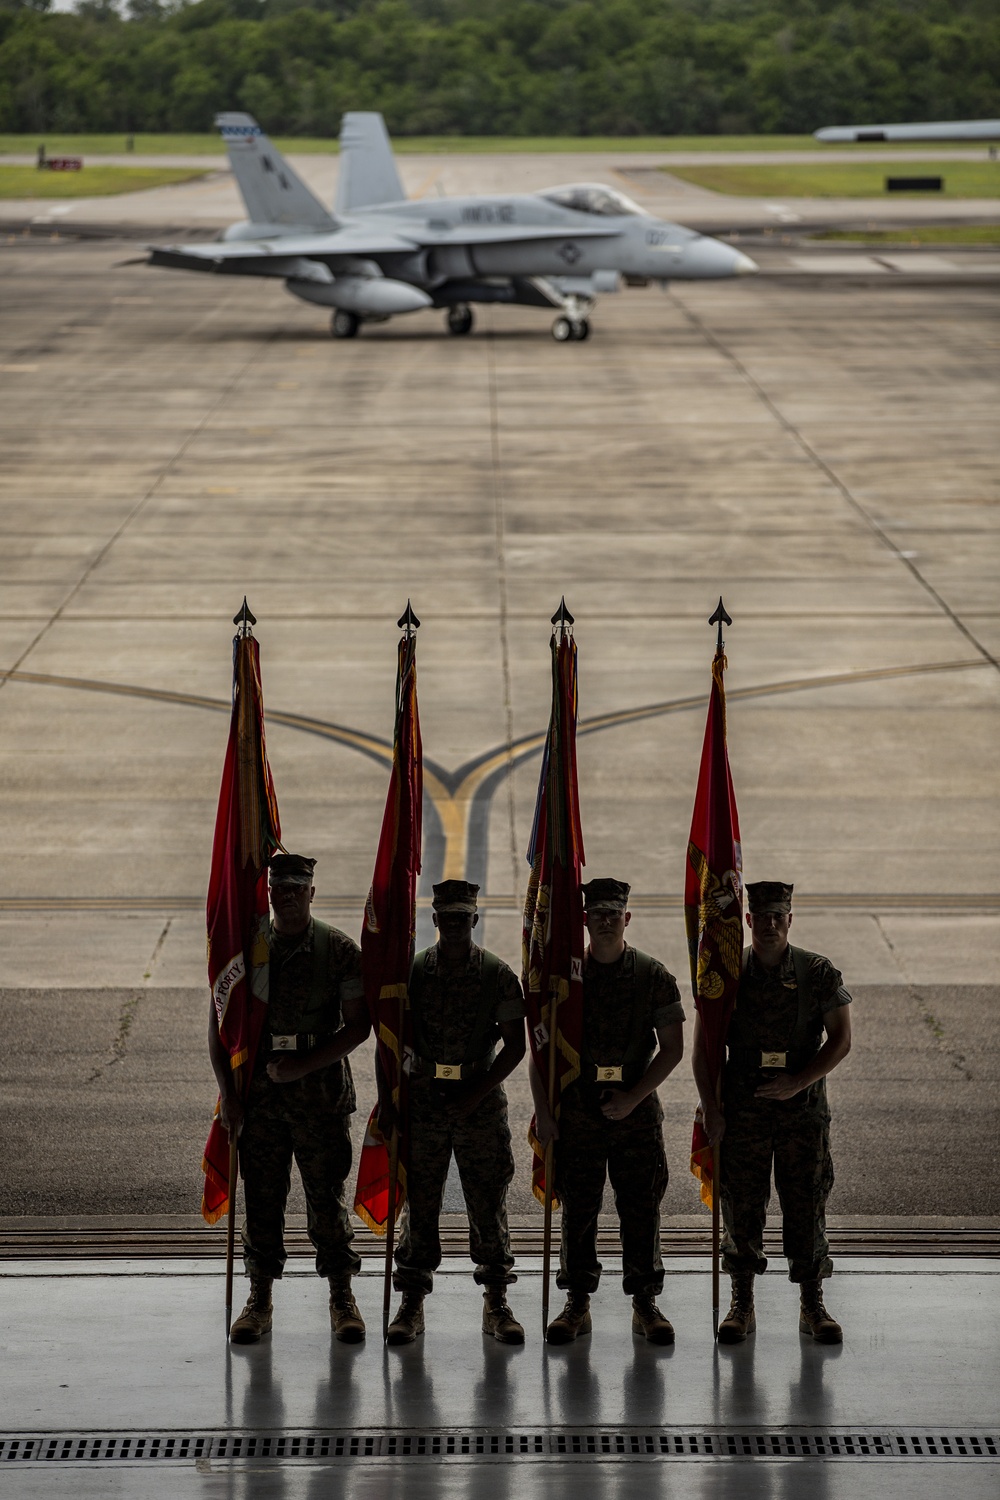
379	254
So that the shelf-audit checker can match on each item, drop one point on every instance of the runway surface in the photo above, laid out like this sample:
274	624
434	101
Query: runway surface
820	450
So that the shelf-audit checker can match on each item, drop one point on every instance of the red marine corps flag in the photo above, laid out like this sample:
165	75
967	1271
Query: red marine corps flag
713	915
247	832
387	943
552	934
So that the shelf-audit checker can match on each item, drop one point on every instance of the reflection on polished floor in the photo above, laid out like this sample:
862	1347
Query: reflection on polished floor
135	1350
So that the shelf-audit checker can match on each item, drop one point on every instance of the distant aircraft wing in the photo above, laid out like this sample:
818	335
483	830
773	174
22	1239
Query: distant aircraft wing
936	130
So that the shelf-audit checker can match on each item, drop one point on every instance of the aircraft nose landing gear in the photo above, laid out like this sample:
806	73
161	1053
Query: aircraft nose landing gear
460	319
564	329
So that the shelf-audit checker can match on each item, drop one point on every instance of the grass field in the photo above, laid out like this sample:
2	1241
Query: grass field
962	179
92	182
932	234
211	145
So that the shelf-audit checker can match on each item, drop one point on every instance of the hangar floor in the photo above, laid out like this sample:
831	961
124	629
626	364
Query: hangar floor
128	1388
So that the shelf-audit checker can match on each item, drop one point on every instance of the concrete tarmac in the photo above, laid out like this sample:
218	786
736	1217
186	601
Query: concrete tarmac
824	455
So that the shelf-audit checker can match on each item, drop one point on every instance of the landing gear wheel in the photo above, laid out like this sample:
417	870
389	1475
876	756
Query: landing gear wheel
460	319
562	330
581	330
344	325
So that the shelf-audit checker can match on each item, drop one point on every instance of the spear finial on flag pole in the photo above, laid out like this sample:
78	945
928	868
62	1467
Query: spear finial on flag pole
244	619
723	619
562	620
408	622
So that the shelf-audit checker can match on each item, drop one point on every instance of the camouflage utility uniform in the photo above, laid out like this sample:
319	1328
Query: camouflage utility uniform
624	1004
311	974
780	1009
455	1020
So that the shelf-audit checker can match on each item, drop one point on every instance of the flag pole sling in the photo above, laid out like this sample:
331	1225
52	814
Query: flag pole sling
549	1163
231	1225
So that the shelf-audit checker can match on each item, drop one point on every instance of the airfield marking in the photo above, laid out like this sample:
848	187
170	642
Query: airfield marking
462	798
830	474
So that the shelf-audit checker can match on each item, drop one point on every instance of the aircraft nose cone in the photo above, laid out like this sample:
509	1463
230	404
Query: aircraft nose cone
711	258
744	266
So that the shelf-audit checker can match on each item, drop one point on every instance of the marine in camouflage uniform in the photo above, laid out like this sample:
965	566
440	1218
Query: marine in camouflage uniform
299	1102
462	1000
610	1120
776	1113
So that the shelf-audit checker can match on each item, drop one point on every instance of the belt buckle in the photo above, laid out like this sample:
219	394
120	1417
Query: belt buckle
285	1043
448	1070
773	1059
609	1075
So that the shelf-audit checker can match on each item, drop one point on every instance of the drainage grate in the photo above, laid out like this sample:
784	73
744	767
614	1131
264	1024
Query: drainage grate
235	1448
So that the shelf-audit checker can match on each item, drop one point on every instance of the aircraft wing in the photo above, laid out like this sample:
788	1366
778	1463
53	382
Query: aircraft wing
935	130
304	256
430	233
217	253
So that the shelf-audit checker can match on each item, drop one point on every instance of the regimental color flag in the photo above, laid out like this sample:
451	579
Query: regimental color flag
552	932
387	943
247	832
713	903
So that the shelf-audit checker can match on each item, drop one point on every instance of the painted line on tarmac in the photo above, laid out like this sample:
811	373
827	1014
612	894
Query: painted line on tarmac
460	800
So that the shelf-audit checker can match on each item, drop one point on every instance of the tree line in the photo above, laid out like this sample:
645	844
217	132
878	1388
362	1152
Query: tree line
497	67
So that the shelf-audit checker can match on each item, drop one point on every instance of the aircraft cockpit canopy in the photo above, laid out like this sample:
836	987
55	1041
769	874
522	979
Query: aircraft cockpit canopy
592	198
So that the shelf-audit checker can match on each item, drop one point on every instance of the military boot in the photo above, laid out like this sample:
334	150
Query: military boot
649	1322
345	1319
255	1319
498	1319
572	1321
814	1318
740	1319
409	1320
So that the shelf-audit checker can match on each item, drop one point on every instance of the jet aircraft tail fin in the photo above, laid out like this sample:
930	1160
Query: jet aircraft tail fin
367	167
271	190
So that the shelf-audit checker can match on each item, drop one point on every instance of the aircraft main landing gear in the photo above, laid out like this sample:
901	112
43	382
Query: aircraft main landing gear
344	325
564	329
460	319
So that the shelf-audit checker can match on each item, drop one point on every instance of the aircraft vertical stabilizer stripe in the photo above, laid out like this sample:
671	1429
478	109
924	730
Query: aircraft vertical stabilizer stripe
272	191
367	168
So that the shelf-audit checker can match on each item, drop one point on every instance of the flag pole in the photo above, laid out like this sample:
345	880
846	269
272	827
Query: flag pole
231	1225
390	1229
549	1163
409	625
562	622
390	1215
716	1197
719	618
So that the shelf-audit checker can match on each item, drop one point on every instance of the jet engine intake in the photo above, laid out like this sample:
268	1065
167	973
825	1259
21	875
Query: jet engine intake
368	296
